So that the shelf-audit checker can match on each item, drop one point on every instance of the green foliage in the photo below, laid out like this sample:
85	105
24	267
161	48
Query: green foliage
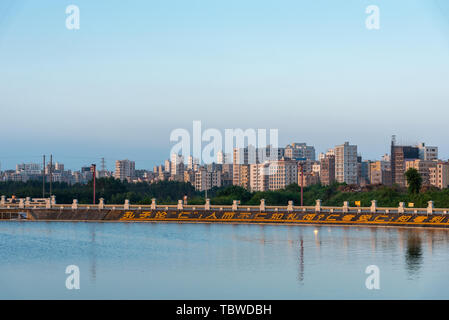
414	180
112	190
169	192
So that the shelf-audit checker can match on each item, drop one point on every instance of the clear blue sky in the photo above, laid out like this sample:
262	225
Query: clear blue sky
138	69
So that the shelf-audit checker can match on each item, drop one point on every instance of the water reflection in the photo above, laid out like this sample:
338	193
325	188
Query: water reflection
301	261
413	254
93	254
155	261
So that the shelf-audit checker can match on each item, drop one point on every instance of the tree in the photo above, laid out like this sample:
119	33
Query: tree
414	180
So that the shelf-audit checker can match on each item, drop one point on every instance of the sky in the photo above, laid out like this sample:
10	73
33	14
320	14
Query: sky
137	70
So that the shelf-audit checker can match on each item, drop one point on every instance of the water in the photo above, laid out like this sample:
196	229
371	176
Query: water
219	261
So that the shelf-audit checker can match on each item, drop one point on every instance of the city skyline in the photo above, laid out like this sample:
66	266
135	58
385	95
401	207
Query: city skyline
75	162
262	168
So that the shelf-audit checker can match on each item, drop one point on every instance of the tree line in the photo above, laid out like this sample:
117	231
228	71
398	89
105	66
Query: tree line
169	192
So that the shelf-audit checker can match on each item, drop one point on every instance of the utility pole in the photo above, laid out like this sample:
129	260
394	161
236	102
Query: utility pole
103	166
93	168
51	173
43	178
302	183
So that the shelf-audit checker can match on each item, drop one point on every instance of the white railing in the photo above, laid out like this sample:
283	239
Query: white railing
50	203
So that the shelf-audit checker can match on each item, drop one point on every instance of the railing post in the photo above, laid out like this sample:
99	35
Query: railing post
153	204
262	205
27	201
75	204
180	206
21	203
101	204
373	207
290	205
126	205
430	207
207	205
3	200
47	203
234	205
401	208
53	200
318	205
345	208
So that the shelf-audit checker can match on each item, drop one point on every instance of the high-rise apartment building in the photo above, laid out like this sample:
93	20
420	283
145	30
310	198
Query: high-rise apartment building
380	172
327	170
259	176
427	153
346	163
205	180
191	162
124	169
167	166
282	173
399	155
300	151
223	158
241	175
177	167
439	175
423	167
29	168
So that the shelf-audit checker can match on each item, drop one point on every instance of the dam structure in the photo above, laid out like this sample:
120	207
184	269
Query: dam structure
46	209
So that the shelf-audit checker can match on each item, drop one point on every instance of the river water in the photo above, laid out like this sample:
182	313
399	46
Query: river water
220	261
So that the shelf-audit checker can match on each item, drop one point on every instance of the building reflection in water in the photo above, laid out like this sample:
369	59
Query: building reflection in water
93	254
413	253
301	261
429	240
373	240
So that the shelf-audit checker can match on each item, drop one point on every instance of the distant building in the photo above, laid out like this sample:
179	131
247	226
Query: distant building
399	155
282	173
205	180
167	166
423	167
241	175
124	169
346	168
29	169
309	179
364	177
191	162
380	173
299	150
223	158
226	174
189	176
327	170
177	167
439	175
259	177
427	153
